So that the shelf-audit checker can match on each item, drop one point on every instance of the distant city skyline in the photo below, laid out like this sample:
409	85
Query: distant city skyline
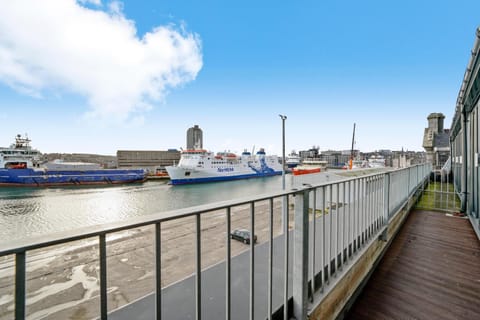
92	76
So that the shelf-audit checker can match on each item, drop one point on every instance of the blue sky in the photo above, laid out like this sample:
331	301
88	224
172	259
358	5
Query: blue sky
109	76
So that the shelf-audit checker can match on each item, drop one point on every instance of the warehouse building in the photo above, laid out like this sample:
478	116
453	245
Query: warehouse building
147	159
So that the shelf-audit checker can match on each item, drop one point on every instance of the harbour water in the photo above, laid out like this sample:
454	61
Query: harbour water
27	212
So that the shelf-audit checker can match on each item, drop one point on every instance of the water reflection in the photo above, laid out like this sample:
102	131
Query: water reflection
18	208
36	211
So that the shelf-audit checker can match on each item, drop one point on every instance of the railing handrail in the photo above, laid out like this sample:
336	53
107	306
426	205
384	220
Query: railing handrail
42	241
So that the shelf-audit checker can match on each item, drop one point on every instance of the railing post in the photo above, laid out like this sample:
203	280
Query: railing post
300	258
103	276
270	264
252	260
408	184
198	268
418	178
20	270
386	209
228	266
158	271
286	255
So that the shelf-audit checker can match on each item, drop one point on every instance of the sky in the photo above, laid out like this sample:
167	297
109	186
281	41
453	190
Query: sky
94	76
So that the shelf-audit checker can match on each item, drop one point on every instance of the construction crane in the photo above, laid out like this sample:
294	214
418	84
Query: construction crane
350	165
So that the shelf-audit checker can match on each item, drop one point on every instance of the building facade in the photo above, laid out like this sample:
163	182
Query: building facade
103	160
436	141
465	139
147	159
194	138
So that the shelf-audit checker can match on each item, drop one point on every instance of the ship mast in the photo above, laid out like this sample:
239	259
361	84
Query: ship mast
21	142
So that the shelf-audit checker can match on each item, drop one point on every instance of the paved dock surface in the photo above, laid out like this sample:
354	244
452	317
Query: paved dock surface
431	271
130	262
179	298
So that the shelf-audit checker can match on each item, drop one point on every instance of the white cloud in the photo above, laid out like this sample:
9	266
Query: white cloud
116	7
95	2
55	45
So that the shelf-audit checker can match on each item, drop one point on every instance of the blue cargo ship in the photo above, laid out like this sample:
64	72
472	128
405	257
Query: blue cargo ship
20	165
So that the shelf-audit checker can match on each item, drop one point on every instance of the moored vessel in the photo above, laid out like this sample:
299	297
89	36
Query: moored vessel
293	160
20	165
199	165
356	164
376	161
310	166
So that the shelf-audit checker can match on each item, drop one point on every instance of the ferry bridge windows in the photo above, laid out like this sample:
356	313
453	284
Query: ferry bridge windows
187	173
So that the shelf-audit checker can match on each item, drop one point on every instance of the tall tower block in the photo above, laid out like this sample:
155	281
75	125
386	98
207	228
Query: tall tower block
194	138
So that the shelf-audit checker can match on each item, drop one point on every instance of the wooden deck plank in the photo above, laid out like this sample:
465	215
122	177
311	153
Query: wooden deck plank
431	271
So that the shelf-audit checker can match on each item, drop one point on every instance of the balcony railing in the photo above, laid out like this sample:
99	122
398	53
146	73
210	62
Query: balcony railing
440	194
332	224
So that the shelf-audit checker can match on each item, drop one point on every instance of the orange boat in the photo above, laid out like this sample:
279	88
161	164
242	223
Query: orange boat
310	166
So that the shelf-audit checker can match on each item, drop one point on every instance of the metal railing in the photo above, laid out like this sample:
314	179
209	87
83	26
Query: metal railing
353	213
332	222
440	193
403	183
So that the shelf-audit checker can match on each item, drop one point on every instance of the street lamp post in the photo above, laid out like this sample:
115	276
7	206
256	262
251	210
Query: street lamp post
284	223
283	117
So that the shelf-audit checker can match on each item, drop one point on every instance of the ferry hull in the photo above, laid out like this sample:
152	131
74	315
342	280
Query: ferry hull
178	176
39	178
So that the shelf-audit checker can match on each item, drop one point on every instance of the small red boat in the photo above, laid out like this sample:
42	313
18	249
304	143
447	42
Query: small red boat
310	166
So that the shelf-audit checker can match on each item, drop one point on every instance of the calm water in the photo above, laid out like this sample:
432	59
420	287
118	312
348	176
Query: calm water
37	211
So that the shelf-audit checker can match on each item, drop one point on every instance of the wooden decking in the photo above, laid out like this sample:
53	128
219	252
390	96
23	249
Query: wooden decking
431	271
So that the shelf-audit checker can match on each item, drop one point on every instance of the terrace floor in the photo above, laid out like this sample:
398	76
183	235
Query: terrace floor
431	271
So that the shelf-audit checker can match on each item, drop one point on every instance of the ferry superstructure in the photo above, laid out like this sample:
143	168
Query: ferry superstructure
196	166
293	160
20	165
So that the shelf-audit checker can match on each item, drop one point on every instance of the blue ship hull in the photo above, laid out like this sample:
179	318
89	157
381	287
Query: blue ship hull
42	177
223	178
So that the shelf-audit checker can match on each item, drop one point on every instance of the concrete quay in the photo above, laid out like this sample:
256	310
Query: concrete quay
153	177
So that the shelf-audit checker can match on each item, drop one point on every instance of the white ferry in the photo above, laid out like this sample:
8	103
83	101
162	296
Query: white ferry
197	166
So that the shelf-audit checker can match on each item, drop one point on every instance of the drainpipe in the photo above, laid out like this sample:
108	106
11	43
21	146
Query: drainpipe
451	173
464	163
